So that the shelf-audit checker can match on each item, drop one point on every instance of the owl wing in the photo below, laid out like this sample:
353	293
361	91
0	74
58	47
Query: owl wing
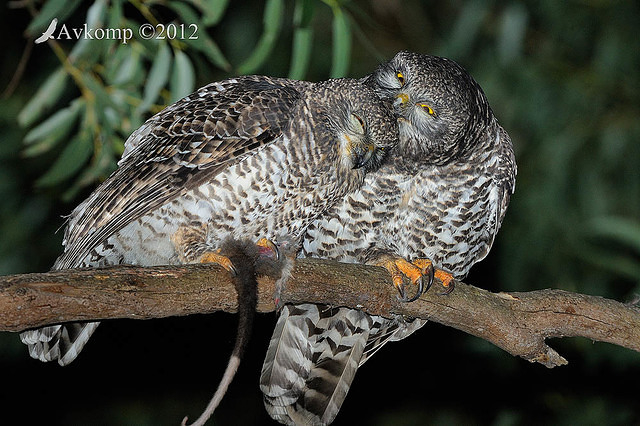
506	173
313	356
178	149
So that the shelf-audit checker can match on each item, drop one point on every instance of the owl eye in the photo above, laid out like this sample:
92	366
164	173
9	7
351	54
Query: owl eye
427	109
400	77
358	123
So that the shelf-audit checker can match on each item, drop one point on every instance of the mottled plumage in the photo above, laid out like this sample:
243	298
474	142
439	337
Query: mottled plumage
246	158
441	195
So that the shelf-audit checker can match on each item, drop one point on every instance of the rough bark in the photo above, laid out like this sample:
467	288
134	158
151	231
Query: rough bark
519	323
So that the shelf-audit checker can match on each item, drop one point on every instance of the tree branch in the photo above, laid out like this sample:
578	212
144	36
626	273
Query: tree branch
519	323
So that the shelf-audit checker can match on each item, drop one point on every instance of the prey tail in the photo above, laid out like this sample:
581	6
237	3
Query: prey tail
243	255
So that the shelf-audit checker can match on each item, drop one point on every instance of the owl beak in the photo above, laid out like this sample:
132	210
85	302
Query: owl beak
362	155
401	99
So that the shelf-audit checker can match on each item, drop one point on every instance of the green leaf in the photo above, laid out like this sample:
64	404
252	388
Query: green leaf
52	9
129	68
96	14
182	78
72	159
102	165
114	65
61	120
205	44
302	39
621	230
87	49
466	28
99	92
157	78
618	263
197	37
341	43
46	96
213	11
303	13
186	12
272	20
512	32
301	53
53	130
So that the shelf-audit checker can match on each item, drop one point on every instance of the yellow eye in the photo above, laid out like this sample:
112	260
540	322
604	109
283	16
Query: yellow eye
427	108
400	77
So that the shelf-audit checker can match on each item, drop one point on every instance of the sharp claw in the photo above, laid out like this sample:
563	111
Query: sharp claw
447	281
232	270
216	257
419	292
448	289
431	277
403	294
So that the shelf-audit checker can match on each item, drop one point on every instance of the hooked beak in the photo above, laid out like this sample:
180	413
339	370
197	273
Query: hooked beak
401	99
362	155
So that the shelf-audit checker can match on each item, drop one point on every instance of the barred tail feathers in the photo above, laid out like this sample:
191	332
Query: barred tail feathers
62	342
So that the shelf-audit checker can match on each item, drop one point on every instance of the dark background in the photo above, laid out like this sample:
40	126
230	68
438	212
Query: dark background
563	79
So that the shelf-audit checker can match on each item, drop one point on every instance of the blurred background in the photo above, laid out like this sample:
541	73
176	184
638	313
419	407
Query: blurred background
563	79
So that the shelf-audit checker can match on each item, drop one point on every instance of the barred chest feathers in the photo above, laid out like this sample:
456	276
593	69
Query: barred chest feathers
262	196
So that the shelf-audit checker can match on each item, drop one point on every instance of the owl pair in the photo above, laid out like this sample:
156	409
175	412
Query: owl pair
405	165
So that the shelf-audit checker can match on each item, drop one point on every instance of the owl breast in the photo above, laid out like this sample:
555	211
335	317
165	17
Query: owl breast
449	219
445	214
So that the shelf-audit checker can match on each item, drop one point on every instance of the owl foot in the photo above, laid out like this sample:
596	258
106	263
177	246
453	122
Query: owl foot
216	257
399	267
426	268
447	281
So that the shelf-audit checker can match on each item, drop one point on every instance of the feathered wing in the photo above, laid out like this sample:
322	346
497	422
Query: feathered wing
187	144
313	356
506	173
176	150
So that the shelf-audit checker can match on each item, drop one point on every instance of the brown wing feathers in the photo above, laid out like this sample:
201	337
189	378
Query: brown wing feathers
181	152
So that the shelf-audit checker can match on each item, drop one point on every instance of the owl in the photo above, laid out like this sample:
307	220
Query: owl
249	157
439	199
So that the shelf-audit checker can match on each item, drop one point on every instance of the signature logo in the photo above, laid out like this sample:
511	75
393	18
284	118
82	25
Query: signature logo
49	32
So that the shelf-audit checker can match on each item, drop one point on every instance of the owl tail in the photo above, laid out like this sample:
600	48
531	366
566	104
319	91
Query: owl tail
313	357
60	343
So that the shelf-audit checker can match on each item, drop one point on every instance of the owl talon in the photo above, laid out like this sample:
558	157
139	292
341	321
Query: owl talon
224	261
427	269
447	281
420	284
399	267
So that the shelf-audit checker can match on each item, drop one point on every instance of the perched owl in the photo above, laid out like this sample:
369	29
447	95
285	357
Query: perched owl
246	158
441	195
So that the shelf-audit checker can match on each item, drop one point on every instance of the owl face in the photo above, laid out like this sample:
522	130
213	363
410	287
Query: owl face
363	126
437	104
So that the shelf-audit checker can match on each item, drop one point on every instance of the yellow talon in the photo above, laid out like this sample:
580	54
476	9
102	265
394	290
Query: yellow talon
216	257
447	280
423	264
398	267
445	277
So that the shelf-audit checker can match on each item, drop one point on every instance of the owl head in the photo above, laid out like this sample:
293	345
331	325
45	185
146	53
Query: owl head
441	110
361	127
